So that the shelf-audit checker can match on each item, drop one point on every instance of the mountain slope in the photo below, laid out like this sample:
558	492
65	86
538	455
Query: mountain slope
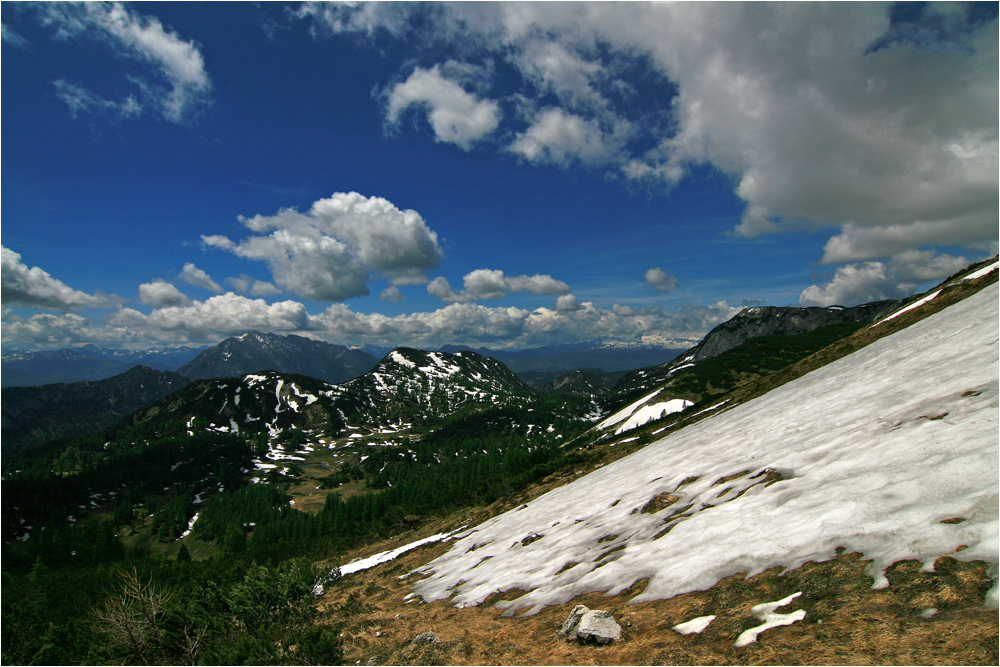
409	382
580	382
758	322
254	351
845	456
32	415
406	385
780	321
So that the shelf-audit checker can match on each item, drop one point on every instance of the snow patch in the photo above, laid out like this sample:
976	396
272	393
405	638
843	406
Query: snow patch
695	626
401	360
190	526
386	556
765	612
626	412
915	304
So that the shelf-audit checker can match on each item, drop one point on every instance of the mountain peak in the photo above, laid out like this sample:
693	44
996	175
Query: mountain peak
255	351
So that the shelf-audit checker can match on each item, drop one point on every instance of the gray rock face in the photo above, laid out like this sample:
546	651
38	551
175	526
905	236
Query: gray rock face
591	626
781	321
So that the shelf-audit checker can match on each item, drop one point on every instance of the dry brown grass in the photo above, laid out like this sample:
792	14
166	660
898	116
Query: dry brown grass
847	622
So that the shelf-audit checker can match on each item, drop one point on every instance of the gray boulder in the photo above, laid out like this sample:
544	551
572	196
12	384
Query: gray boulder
572	621
591	626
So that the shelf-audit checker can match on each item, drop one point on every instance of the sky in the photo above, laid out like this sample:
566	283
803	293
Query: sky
507	175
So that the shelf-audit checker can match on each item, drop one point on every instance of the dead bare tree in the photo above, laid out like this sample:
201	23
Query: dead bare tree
132	613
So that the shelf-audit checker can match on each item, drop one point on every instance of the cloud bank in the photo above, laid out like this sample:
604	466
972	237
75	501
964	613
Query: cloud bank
493	284
863	282
35	288
176	319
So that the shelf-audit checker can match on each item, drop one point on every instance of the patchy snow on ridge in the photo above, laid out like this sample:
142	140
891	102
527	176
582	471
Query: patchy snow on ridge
870	453
981	272
915	304
386	556
648	413
625	412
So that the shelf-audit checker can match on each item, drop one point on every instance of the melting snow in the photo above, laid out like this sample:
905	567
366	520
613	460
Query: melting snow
915	304
695	626
401	360
625	412
869	453
648	413
190	526
386	556
981	272
765	612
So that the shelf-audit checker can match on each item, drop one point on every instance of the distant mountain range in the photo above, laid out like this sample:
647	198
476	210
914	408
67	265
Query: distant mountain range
405	385
591	355
255	351
33	415
87	363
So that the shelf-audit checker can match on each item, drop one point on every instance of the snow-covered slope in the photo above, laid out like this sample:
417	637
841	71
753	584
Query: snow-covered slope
871	453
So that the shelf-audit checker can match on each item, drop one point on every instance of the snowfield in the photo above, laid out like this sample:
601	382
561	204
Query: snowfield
869	453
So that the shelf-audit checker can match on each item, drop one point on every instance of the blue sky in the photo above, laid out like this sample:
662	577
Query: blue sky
506	175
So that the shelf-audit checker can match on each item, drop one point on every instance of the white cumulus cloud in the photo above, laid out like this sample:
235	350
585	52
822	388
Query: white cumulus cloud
863	282
245	284
161	294
456	116
192	275
660	280
562	137
330	252
216	317
839	115
493	284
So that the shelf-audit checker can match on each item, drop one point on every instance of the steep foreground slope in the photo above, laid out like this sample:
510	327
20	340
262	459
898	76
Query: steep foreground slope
871	453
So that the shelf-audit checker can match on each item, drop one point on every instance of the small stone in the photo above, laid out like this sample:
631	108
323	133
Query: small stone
426	638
